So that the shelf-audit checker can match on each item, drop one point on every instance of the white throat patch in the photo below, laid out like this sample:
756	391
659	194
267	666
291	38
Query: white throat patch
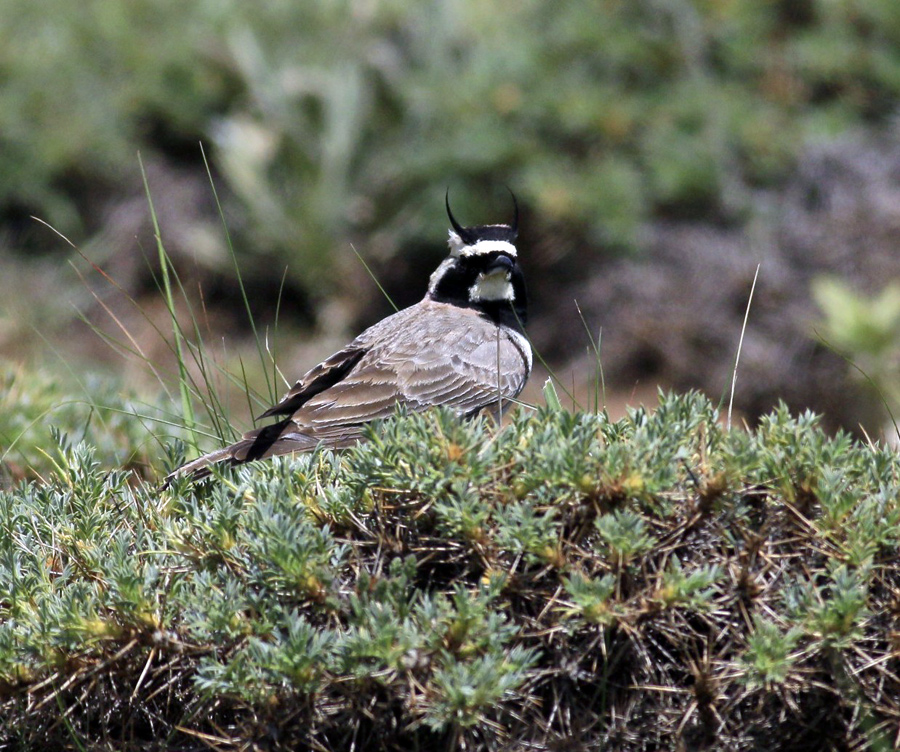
458	248
492	287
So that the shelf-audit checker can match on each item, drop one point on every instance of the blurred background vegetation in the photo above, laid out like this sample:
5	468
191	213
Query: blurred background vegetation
660	150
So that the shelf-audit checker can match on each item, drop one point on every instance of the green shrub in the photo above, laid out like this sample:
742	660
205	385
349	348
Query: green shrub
658	578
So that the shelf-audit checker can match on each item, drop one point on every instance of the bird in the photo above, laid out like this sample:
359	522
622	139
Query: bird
462	346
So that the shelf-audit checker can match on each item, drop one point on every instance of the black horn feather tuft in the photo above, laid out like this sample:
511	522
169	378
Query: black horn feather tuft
464	233
514	227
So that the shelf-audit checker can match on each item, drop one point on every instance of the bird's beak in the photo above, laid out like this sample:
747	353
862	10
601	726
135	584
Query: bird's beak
500	265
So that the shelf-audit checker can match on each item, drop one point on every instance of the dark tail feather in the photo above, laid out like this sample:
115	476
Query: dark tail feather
253	446
283	437
201	467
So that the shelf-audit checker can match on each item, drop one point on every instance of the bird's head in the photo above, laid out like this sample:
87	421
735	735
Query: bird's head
482	270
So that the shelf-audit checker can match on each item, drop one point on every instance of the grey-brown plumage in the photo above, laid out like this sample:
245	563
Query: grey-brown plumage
462	346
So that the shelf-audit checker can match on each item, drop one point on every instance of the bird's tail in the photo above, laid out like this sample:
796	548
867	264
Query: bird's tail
283	437
253	445
202	466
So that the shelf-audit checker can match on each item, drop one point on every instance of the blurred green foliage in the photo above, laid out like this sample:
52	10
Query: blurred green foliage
330	119
865	328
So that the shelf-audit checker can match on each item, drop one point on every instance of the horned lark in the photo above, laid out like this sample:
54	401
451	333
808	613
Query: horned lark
461	346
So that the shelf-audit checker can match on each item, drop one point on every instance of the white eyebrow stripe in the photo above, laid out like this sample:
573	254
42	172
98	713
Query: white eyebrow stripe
488	246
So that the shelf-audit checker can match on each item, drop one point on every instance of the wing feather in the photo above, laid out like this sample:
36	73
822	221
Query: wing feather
328	373
435	357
